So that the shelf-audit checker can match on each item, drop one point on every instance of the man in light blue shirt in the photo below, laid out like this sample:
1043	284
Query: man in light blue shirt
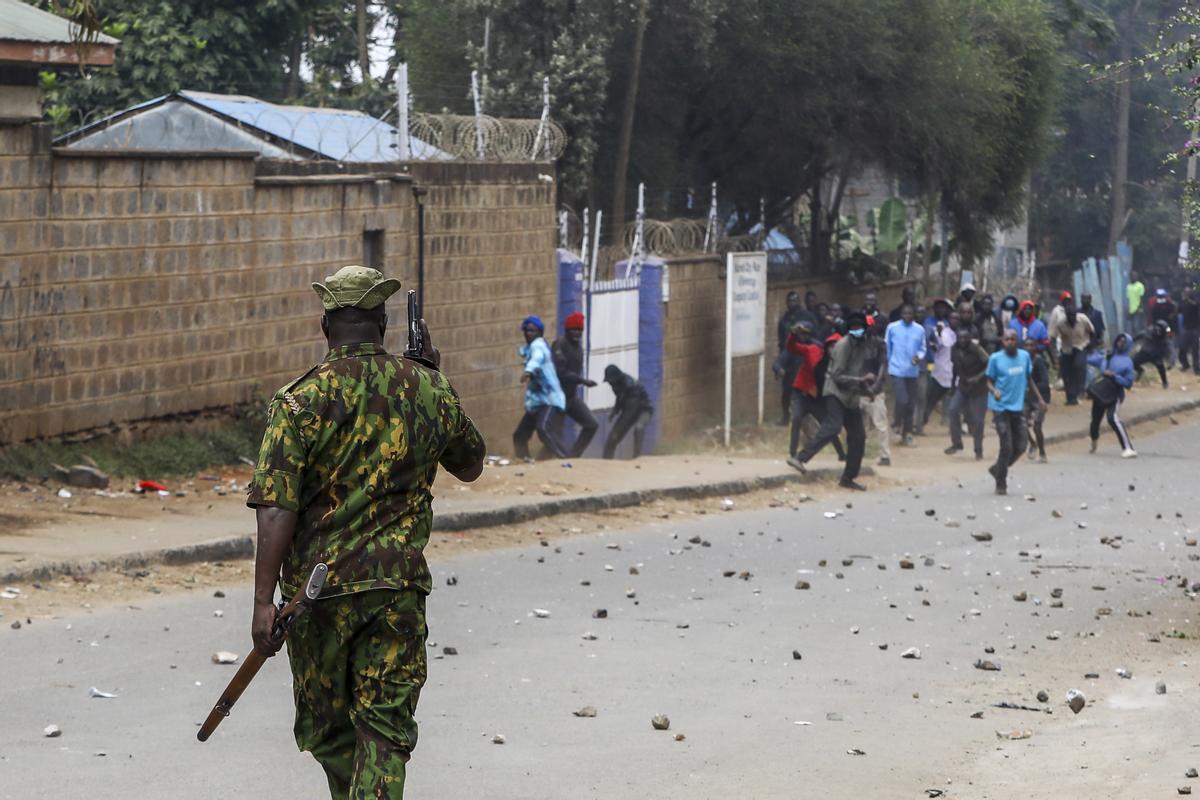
1009	376
906	355
544	398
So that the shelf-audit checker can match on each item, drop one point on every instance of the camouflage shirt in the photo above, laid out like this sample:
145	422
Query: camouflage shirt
353	447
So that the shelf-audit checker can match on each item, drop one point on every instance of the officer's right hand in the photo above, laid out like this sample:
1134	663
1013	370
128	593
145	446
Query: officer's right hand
261	627
590	384
429	352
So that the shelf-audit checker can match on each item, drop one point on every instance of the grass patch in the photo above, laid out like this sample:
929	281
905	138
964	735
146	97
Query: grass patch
172	455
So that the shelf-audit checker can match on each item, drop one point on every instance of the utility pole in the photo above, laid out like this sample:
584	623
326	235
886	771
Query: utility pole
626	136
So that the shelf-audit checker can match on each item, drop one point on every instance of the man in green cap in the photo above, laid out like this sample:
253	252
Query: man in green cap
344	477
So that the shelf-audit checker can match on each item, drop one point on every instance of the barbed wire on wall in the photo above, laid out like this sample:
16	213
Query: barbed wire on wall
485	138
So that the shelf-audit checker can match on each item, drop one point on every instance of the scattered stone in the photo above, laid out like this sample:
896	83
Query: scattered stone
679	737
1094	676
1191	773
660	722
600	613
796	655
987	666
982	537
977	715
847	562
452	580
1076	701
929	512
541	613
745	575
590	637
498	738
52	731
802	585
1014	735
218	613
1043	697
1184	790
217	593
94	692
1056	593
912	652
854	629
905	564
224	657
634	571
1160	687
1020	597
449	651
854	751
586	711
630	593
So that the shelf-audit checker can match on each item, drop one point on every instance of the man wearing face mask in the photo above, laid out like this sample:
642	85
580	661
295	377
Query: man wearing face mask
846	383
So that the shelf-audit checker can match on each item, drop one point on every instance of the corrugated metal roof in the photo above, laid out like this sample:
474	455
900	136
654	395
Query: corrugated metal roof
333	133
165	123
22	22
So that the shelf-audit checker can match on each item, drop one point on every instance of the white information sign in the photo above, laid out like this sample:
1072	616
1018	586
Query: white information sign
745	322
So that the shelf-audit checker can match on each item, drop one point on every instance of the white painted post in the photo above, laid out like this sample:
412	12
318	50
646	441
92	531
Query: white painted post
637	253
762	383
562	229
478	114
541	131
728	345
710	229
583	247
402	152
596	246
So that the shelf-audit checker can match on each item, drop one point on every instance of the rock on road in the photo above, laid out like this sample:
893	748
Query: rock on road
707	639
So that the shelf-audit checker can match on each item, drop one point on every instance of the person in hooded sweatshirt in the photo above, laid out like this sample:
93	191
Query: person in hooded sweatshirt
1108	393
632	409
544	398
1029	327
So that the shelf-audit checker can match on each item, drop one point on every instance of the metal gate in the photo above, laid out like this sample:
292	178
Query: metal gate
612	334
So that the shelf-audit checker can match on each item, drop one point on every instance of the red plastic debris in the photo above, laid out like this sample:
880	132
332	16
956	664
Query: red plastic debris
151	486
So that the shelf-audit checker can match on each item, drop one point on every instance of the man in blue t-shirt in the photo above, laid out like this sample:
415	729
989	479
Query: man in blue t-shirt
1009	376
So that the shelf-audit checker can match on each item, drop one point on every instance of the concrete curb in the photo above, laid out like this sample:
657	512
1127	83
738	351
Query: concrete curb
465	520
1137	419
235	547
230	548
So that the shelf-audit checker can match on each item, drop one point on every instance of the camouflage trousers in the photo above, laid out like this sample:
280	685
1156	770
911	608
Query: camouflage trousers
358	665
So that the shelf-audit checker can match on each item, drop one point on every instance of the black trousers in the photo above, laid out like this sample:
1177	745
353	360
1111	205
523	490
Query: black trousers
541	420
837	416
1010	427
906	390
804	405
1072	368
1142	358
1113	412
975	410
1189	349
638	420
578	411
933	398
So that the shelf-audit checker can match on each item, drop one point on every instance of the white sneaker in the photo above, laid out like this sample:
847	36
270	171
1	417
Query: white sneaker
1129	452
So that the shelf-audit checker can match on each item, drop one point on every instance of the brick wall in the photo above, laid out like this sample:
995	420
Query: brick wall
142	286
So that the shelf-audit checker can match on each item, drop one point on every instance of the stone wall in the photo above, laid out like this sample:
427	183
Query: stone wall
138	286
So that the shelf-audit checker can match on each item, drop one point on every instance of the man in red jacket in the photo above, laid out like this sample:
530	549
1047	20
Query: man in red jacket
806	394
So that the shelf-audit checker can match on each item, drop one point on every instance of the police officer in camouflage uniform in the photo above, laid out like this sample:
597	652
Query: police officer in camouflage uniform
343	477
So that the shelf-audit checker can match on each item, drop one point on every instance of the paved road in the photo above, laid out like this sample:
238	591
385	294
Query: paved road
713	653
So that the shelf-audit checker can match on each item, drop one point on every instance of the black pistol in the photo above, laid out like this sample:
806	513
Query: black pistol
416	339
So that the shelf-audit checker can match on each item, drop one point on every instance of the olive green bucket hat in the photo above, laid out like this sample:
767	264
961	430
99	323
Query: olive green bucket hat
355	287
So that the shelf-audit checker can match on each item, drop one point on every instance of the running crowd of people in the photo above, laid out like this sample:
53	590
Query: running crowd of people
838	366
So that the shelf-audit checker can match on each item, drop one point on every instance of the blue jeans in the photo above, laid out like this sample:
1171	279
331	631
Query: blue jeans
906	403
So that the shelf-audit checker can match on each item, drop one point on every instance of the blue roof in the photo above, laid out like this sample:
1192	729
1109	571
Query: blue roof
332	133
